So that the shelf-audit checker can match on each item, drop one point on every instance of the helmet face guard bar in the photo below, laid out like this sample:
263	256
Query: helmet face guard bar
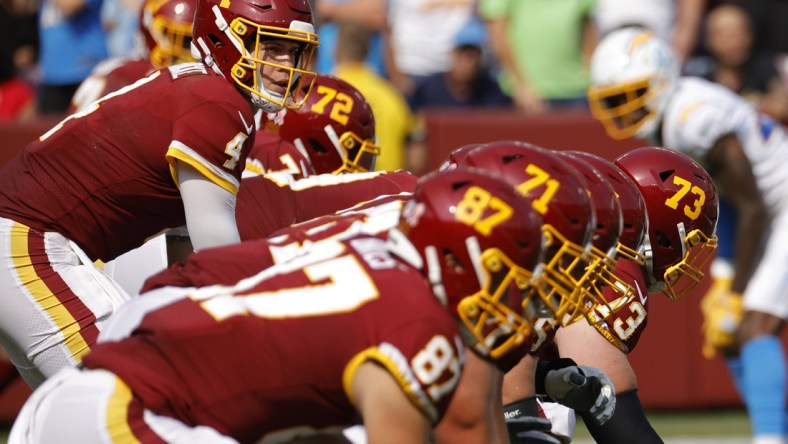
683	277
622	109
246	72
490	316
358	155
569	267
631	254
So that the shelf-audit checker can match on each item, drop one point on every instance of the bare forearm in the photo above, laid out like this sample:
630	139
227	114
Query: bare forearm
502	50
689	14
371	13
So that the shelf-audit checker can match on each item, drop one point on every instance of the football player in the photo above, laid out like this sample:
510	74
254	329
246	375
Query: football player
164	152
274	200
637	91
165	34
347	331
333	133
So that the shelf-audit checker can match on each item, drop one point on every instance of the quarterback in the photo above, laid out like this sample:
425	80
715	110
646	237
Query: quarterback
164	152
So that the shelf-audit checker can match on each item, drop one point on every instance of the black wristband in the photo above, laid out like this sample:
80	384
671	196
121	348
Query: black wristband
523	407
543	367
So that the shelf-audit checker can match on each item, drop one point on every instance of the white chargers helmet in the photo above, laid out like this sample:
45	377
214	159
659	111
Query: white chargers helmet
633	74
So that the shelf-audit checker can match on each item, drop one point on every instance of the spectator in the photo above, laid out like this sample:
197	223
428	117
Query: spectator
467	82
675	21
17	97
418	38
121	22
543	49
769	18
72	43
735	62
392	115
21	31
369	13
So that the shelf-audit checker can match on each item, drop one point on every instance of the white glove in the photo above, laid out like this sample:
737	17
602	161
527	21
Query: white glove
583	388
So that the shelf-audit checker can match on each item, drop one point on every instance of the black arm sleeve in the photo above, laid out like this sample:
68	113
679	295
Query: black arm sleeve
628	424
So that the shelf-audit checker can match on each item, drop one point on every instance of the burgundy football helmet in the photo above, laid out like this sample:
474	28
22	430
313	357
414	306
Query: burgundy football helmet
558	195
232	38
478	242
633	207
683	206
631	241
166	26
335	128
457	156
606	232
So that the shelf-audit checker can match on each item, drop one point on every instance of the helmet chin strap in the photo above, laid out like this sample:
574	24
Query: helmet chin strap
197	53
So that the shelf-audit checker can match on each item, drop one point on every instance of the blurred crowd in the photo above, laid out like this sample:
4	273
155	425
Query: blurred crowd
407	56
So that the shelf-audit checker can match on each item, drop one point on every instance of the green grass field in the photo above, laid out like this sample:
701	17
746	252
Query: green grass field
675	427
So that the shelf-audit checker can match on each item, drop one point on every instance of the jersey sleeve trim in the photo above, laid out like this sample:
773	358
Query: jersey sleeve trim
252	168
397	365
179	151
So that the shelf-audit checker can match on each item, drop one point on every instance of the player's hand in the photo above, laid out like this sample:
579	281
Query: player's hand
583	388
530	430
722	312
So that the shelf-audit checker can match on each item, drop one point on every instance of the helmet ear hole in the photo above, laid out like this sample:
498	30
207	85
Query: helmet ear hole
663	176
663	240
317	146
452	261
215	41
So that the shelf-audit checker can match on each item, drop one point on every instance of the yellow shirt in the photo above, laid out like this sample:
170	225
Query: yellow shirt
393	119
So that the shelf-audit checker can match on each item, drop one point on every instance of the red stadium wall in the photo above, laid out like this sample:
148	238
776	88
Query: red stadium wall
671	371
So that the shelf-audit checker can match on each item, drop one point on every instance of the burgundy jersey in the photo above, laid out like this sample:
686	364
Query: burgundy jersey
278	351
624	327
228	265
105	177
273	154
272	202
109	76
